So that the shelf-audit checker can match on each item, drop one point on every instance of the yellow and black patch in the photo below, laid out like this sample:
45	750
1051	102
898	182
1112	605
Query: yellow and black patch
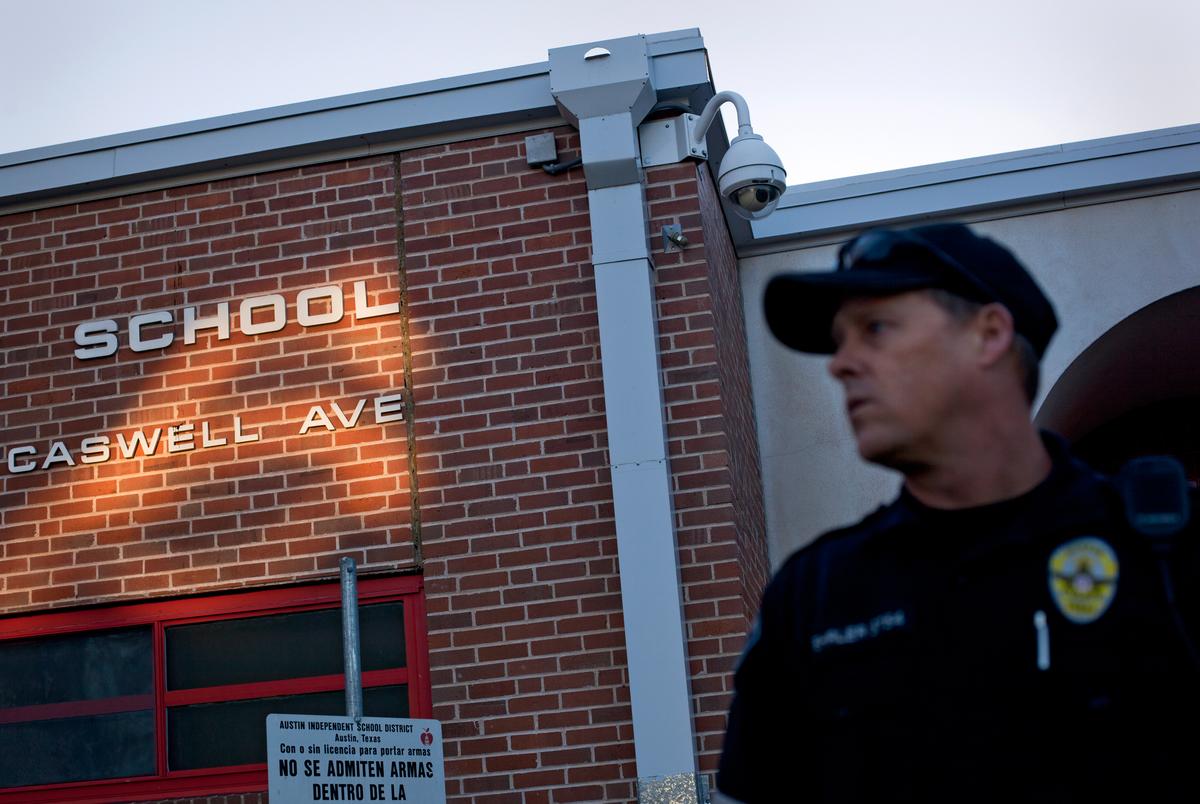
1083	578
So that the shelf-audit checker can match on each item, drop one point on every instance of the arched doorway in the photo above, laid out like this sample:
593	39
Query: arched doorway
1136	390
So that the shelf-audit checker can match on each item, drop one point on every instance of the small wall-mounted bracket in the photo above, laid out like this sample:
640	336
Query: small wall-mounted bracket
673	238
670	140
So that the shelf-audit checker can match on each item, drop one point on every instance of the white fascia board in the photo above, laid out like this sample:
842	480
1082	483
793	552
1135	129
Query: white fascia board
364	122
1064	171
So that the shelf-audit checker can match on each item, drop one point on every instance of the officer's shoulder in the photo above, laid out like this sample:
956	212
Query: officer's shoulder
845	543
1089	488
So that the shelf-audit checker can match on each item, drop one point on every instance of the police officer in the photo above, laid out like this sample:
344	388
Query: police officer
997	632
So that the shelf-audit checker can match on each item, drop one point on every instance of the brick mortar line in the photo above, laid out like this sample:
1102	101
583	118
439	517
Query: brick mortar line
175	419
377	568
508	306
287	507
205	551
66	433
55	259
142	248
138	397
192	501
473	261
589	361
279	286
43	248
98	478
64	519
532	387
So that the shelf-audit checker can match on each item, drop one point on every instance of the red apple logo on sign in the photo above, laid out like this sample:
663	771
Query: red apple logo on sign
426	737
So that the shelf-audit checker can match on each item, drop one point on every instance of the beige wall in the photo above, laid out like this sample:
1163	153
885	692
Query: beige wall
1099	263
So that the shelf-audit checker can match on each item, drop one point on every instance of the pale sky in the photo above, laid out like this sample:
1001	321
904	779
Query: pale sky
838	89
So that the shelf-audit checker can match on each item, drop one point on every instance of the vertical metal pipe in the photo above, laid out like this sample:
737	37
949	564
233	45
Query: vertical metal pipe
351	661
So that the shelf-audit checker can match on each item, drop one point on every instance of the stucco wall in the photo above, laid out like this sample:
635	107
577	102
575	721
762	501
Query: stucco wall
1099	263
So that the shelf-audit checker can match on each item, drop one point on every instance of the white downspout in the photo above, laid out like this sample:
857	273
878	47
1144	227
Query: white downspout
608	96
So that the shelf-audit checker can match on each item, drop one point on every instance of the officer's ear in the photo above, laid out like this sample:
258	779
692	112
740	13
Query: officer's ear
993	329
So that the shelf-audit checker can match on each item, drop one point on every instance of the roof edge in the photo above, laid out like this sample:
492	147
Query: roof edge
248	117
1162	156
372	121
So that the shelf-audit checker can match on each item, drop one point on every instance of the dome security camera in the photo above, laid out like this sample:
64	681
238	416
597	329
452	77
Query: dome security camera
751	177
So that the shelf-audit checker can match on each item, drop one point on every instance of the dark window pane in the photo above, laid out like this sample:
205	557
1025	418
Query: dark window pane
296	645
381	636
76	667
234	733
77	748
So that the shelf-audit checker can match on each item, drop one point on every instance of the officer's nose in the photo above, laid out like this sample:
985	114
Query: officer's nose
843	364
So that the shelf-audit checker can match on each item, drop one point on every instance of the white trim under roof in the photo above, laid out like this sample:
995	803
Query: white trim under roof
1056	174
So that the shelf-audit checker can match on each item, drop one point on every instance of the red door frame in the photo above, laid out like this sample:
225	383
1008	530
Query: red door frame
163	613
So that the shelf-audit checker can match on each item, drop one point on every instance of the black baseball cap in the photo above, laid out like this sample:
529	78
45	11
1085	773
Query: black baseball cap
881	262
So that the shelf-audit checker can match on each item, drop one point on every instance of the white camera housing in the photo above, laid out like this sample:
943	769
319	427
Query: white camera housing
751	177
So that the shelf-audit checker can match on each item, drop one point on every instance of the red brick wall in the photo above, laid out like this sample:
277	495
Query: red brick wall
281	508
515	502
524	604
529	666
737	400
720	520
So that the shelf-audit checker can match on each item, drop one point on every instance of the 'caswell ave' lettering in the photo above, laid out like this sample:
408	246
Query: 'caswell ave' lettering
187	436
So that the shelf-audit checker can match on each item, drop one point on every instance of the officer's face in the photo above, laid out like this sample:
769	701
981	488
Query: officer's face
904	364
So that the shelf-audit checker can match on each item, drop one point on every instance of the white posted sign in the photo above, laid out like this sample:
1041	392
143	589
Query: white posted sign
327	758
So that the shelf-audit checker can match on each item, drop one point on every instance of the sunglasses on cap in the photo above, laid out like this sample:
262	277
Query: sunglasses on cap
884	246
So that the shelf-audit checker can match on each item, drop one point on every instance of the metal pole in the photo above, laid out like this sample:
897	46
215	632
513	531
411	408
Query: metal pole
351	657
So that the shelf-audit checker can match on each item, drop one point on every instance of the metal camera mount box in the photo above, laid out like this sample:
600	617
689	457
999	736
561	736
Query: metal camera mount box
670	140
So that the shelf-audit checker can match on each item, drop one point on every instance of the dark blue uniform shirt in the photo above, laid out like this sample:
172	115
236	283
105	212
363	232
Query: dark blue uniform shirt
924	655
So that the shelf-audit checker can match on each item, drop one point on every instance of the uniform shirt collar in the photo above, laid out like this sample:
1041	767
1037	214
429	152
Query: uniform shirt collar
1042	504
